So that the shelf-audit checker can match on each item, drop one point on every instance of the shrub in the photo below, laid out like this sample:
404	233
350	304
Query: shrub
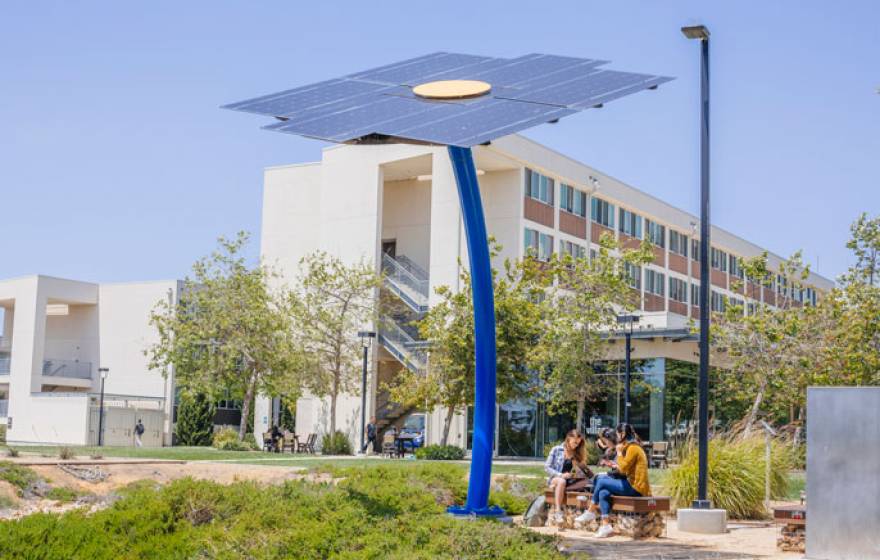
736	476
62	494
195	419
12	452
65	453
335	444
17	475
227	440
3	433
440	453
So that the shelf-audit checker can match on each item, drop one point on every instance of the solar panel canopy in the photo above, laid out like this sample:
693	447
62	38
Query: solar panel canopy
380	106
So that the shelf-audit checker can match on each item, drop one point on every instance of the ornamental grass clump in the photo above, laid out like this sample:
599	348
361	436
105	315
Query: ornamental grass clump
736	476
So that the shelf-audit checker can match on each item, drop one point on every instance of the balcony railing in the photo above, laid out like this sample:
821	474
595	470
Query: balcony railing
411	352
67	368
4	365
4	407
407	280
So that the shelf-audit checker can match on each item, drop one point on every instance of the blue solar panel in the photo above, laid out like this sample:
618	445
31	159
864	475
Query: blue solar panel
379	103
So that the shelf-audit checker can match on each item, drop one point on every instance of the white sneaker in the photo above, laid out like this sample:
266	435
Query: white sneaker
604	531
585	517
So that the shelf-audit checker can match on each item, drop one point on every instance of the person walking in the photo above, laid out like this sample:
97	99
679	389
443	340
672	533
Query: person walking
370	446
138	432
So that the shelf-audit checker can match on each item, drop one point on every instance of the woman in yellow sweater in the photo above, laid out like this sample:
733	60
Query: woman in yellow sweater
630	479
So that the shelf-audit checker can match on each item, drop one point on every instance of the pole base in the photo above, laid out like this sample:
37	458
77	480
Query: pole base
701	504
705	521
464	512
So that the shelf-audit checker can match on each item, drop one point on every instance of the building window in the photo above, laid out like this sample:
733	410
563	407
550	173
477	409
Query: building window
654	282
572	200
736	302
592	254
678	243
539	187
718	302
810	296
781	284
602	212
634	273
655	233
538	245
574	250
752	308
678	290
630	224
695	249
695	295
718	260
736	268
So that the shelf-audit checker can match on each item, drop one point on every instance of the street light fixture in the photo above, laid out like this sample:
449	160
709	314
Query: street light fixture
366	339
701	33
103	372
627	321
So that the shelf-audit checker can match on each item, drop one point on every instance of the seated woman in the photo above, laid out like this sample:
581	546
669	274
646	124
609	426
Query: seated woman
630	479
563	464
607	442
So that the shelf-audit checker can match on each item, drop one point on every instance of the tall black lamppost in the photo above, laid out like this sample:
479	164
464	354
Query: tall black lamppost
366	339
701	33
627	321
103	372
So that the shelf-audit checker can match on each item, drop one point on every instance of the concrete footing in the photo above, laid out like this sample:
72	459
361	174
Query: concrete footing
707	521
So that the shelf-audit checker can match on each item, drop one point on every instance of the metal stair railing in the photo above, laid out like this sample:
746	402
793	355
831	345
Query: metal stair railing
408	281
409	351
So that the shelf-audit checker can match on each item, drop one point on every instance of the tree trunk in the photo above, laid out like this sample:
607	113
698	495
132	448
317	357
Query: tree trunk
580	414
798	432
753	412
447	423
334	394
246	406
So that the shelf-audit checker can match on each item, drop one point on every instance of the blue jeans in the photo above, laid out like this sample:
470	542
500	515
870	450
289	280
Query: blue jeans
604	487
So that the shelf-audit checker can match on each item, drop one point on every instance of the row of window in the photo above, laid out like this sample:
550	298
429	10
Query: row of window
539	245
540	187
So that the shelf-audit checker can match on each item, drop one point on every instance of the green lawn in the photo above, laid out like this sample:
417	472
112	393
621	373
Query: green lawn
657	476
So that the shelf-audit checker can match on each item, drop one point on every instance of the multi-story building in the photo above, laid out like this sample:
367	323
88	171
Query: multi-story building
397	206
56	336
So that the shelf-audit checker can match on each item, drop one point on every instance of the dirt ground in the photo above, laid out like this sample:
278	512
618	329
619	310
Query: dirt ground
743	540
97	494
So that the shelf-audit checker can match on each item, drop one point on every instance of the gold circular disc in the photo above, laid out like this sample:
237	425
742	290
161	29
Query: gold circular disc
452	89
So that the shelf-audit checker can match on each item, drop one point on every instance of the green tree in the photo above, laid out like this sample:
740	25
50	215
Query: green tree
229	330
768	357
332	302
449	326
195	419
582	306
864	242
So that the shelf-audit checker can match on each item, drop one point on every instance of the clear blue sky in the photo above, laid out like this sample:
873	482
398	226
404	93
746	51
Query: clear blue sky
116	163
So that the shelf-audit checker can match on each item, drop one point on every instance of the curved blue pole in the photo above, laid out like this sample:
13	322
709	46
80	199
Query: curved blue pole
484	334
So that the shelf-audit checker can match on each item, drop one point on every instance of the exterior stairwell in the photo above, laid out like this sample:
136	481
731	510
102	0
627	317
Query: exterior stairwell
408	285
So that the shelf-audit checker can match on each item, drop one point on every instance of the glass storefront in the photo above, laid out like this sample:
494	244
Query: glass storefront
663	399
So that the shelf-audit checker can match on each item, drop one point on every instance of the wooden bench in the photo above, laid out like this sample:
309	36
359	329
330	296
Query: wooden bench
793	533
638	517
621	504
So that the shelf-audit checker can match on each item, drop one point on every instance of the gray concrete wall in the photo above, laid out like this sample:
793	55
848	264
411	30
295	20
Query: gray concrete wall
843	473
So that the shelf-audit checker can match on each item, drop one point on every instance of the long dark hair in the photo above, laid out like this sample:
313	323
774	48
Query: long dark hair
629	433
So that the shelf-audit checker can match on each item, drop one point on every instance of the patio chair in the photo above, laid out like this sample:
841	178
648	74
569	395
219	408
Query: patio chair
307	446
389	445
659	452
289	442
268	444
